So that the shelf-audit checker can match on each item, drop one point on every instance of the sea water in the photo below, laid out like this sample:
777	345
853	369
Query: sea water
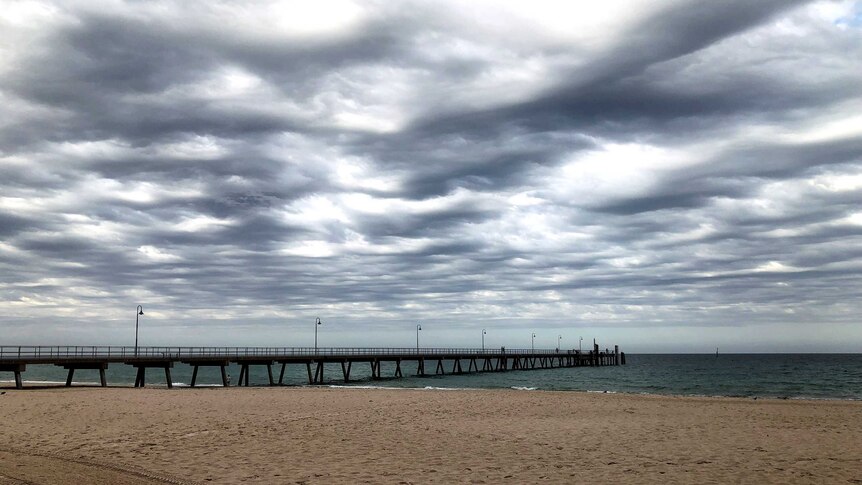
794	376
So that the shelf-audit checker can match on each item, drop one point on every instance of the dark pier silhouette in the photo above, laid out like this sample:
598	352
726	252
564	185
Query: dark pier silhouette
16	359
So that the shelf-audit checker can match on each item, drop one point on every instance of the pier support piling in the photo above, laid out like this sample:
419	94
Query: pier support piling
205	362
318	373
345	369
140	377
375	369
16	369
73	366
245	368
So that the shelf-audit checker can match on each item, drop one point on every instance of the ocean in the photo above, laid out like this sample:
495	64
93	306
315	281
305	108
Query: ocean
791	376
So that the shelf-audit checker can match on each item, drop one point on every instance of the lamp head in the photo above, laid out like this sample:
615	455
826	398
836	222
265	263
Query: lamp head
418	327
140	310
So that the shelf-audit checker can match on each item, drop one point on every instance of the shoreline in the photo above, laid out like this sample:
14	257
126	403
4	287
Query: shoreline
8	385
318	435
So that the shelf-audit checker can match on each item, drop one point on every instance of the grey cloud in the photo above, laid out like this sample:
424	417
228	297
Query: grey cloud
108	157
11	224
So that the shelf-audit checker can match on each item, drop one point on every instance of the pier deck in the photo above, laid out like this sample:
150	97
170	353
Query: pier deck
15	359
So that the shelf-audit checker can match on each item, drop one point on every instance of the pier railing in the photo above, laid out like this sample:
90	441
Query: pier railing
130	352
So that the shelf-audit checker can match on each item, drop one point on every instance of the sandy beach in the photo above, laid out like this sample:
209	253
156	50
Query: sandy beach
305	435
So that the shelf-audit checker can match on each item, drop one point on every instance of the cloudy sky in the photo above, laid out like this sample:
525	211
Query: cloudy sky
669	176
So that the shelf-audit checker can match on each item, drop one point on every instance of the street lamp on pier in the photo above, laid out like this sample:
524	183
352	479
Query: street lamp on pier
317	322
483	339
559	339
580	339
138	313
533	343
418	329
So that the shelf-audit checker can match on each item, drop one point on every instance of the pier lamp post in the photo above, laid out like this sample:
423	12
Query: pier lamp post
418	329
533	343
483	339
559	339
138	313
580	339
317	322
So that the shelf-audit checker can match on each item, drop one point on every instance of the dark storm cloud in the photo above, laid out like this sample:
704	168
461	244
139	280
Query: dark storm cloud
695	165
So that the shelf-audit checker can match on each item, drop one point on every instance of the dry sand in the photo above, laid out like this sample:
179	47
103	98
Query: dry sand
304	435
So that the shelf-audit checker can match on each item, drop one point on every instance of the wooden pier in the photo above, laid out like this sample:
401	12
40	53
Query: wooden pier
72	358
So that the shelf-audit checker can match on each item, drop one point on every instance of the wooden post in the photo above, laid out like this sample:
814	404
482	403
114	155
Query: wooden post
141	377
623	358
224	381
247	372
439	367
420	367
345	369
616	355
19	384
398	368
318	373
308	368
281	374
269	372
194	376
69	378
102	378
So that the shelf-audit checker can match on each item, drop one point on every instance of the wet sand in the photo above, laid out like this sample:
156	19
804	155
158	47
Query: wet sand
306	435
